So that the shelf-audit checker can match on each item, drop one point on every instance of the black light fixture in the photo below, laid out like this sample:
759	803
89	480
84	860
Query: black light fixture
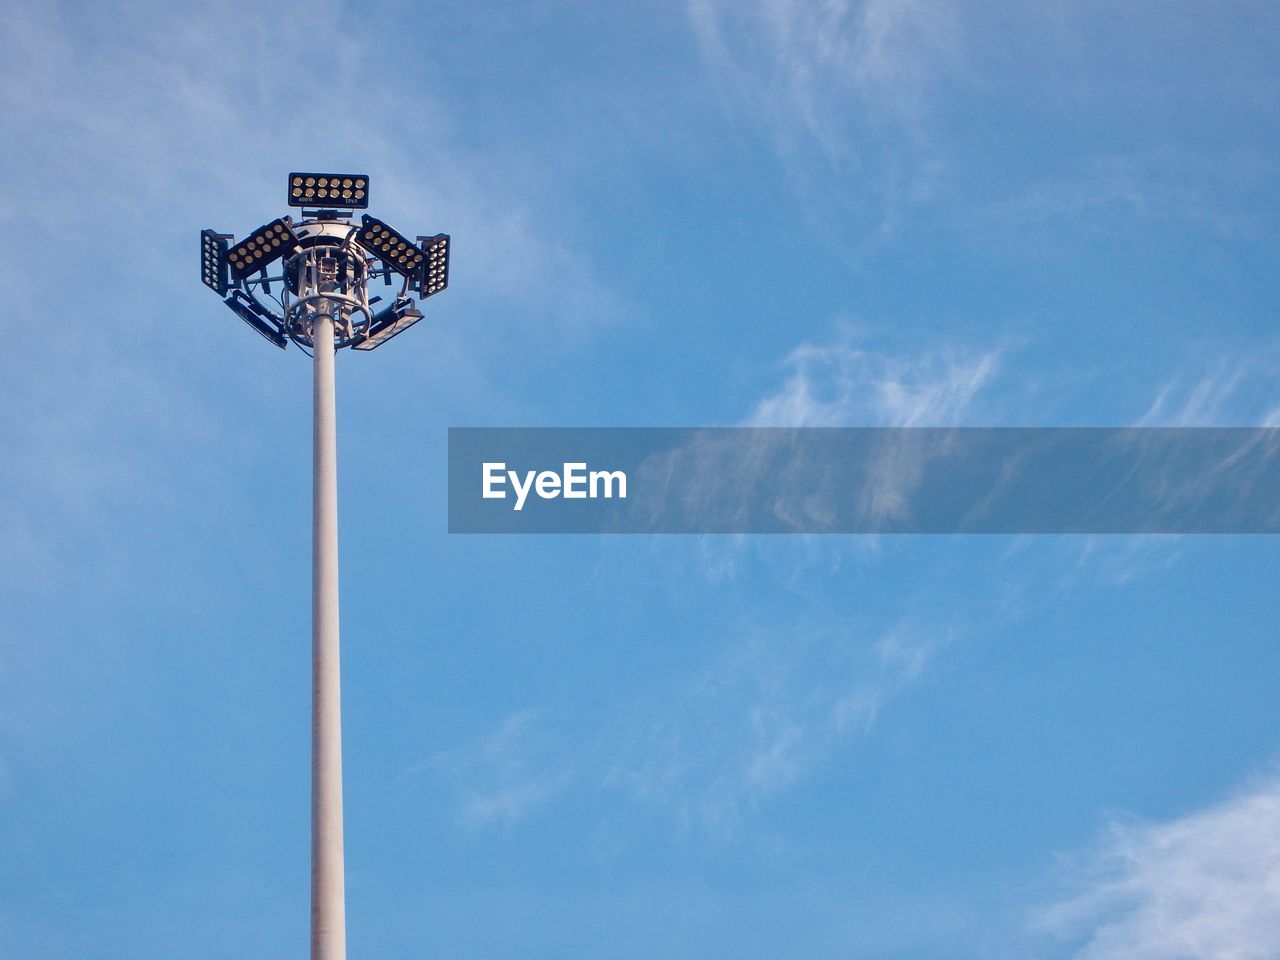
394	249
435	268
396	319
252	313
336	190
213	260
267	243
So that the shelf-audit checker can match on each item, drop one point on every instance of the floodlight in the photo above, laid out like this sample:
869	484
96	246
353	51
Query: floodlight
396	251
397	318
256	316
435	269
213	261
268	242
329	190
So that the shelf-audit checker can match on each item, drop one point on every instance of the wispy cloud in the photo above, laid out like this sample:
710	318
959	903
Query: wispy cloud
1229	391
1203	885
776	706
803	62
840	384
507	775
850	79
836	383
708	749
1105	194
761	718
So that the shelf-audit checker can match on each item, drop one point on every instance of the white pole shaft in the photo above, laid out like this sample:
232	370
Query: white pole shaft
328	908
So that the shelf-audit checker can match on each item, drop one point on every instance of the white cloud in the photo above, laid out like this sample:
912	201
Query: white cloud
1222	392
833	384
1203	885
1230	391
759	719
507	775
839	384
804	60
849	78
507	805
1106	195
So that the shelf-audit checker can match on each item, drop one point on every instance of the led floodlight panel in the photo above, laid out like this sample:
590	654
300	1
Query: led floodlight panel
251	312
213	261
435	269
394	320
339	190
395	250
260	248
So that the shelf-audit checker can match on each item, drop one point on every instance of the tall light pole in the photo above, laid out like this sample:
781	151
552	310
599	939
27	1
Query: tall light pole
328	910
325	264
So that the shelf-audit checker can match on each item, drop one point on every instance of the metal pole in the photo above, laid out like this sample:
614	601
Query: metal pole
328	909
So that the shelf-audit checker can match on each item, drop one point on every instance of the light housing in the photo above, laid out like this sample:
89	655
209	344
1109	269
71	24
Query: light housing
394	249
435	267
213	261
396	319
252	313
267	243
344	270
349	190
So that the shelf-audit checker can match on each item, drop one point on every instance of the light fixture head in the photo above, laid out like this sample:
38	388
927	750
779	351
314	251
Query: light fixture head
435	265
338	190
396	319
394	249
213	261
266	244
325	263
256	316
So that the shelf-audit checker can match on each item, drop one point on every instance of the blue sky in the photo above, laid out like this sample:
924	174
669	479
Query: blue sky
703	213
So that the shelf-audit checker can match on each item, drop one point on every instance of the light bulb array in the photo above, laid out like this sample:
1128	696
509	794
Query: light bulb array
268	242
213	261
435	268
395	250
349	190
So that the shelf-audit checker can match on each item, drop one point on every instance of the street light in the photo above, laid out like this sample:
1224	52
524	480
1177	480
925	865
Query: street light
323	305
